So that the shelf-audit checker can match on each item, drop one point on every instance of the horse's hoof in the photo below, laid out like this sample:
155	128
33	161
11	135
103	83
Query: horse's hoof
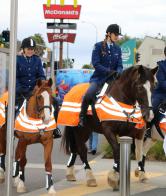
21	187
70	177
137	172
142	177
2	176
113	180
70	174
2	180
16	181
92	183
90	179
52	191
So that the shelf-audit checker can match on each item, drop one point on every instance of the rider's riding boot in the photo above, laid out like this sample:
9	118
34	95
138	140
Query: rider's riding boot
57	133
82	115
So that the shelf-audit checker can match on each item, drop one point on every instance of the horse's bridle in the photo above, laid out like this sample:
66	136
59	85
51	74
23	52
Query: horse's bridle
39	109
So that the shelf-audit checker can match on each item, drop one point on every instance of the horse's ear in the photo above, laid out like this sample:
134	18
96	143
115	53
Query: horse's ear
39	82
154	70
140	72
141	69
50	82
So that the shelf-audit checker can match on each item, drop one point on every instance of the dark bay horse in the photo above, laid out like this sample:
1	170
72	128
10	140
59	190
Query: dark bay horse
134	87
36	115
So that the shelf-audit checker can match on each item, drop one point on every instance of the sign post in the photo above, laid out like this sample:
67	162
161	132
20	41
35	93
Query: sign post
11	99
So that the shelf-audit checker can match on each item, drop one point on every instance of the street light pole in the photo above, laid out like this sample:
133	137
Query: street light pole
93	26
52	62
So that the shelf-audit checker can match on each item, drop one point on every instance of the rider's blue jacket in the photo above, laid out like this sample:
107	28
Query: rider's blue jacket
28	70
105	60
159	93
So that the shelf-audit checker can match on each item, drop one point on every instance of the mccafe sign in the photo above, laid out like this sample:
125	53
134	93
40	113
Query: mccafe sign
61	37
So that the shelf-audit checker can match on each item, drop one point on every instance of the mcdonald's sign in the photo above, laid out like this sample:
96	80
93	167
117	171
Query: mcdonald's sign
61	12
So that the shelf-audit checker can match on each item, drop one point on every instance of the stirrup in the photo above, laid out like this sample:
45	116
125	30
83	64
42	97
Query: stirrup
81	122
57	133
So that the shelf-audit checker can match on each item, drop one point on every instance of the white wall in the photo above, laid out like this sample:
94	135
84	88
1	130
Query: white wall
151	50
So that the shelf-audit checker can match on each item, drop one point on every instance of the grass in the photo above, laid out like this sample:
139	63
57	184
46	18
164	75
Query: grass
155	153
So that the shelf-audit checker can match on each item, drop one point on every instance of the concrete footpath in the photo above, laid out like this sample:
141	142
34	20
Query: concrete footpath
155	186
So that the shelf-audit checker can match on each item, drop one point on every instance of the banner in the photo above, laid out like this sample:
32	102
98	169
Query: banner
128	50
67	78
61	37
61	12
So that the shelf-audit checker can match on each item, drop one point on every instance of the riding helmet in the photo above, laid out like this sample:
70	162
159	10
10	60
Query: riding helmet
114	28
28	43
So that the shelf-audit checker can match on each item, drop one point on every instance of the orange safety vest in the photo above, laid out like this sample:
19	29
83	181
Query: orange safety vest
27	124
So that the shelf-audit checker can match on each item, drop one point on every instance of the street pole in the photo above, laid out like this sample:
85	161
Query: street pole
52	62
11	98
61	50
125	145
67	63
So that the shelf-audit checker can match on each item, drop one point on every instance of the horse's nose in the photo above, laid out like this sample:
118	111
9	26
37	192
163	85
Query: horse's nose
46	120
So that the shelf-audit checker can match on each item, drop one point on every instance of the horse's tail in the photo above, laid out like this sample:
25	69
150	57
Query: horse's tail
68	140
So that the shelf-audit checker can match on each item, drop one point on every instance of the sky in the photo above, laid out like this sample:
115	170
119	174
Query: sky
136	18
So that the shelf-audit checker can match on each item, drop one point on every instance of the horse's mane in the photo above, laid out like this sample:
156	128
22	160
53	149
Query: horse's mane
127	72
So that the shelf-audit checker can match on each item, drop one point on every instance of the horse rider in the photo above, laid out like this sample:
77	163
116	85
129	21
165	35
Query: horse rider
28	70
158	97
106	60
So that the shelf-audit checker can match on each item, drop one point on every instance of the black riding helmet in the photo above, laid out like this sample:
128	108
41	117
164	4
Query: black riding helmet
28	43
114	28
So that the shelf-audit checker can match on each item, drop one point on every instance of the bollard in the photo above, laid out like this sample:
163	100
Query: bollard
125	144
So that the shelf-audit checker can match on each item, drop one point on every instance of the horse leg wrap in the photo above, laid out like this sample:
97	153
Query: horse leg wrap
49	181
141	166
15	169
72	159
116	167
2	162
21	175
143	160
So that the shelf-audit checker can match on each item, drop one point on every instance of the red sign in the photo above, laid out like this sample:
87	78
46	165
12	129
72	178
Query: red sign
61	12
61	37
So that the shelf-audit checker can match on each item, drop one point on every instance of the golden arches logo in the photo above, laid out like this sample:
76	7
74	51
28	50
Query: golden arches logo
62	3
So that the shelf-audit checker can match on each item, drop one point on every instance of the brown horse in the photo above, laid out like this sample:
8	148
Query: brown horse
134	87
37	115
